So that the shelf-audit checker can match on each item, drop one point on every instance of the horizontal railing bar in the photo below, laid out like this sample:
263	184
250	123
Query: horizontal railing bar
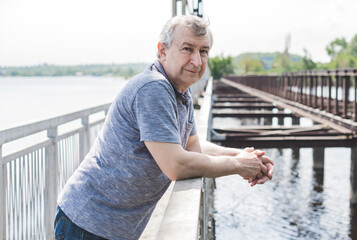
14	133
96	123
78	130
10	157
68	134
338	72
13	156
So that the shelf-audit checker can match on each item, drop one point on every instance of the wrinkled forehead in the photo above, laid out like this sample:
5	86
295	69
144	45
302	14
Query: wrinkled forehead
183	34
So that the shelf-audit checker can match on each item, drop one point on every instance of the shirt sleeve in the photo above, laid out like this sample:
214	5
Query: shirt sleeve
156	113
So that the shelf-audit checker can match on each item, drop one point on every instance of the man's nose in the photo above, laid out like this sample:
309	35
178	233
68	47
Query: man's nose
196	59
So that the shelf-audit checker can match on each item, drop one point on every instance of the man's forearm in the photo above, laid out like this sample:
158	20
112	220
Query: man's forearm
216	150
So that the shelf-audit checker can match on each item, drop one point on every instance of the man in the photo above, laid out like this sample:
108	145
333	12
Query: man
148	140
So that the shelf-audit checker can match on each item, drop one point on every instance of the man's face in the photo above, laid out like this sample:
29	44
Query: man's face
186	60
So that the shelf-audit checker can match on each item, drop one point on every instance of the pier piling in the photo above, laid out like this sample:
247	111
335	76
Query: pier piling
353	176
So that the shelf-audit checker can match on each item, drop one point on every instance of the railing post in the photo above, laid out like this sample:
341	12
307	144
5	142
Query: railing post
51	173
3	181
310	89
323	77
336	112
305	86
84	138
329	83
315	79
355	95
286	86
291	83
345	88
295	84
301	78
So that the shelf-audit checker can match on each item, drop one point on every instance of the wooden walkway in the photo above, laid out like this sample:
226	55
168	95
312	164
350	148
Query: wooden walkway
231	99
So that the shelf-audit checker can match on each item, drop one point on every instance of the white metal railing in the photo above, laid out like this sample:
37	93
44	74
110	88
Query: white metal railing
31	178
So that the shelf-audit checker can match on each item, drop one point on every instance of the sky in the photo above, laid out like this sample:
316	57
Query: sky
70	32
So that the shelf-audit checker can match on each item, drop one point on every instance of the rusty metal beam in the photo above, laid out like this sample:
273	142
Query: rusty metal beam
244	106
241	100
298	130
342	125
280	142
255	114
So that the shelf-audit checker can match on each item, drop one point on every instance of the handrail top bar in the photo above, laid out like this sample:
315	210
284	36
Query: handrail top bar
16	132
334	72
321	72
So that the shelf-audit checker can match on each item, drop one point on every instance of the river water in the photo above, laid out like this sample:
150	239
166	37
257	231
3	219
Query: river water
24	99
299	203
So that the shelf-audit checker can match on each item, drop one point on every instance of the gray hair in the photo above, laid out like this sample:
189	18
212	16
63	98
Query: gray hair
196	24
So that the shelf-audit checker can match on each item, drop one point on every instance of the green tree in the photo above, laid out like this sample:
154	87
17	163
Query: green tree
343	60
282	63
352	46
251	65
336	47
220	66
307	62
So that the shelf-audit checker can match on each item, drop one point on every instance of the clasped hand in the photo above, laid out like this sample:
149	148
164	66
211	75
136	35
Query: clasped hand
257	168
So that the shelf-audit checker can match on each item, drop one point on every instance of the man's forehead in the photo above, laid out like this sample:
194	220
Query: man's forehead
184	35
190	44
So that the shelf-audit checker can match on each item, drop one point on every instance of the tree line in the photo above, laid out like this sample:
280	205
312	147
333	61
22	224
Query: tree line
343	54
123	70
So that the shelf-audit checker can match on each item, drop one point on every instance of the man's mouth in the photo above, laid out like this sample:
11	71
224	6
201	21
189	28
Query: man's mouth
192	71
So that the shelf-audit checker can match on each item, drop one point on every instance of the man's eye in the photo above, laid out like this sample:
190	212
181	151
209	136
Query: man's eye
187	49
204	52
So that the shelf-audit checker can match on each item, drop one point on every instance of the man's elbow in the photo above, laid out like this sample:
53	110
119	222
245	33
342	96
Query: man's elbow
174	174
178	171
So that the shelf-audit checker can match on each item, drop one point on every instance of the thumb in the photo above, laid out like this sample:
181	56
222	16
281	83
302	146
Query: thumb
249	149
259	153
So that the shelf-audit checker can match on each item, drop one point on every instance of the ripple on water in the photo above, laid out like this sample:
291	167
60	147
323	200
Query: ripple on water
299	203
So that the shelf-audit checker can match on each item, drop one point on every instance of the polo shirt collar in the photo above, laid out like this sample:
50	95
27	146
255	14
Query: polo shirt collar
184	97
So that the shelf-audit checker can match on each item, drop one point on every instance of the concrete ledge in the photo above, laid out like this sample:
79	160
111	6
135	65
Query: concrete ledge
181	219
152	228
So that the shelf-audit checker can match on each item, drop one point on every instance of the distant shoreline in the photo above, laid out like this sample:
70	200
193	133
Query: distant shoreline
99	70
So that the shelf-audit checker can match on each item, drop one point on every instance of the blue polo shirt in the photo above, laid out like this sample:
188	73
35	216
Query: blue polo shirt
115	189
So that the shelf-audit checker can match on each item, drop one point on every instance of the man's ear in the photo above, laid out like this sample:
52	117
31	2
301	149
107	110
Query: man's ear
161	48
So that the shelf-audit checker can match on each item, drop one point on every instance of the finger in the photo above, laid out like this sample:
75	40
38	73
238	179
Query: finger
270	171
253	183
259	175
249	149
252	179
262	180
266	159
259	153
264	169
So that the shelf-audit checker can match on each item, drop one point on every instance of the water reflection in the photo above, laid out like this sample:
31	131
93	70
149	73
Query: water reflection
305	200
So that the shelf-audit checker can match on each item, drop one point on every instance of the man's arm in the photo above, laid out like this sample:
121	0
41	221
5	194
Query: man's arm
177	163
195	145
